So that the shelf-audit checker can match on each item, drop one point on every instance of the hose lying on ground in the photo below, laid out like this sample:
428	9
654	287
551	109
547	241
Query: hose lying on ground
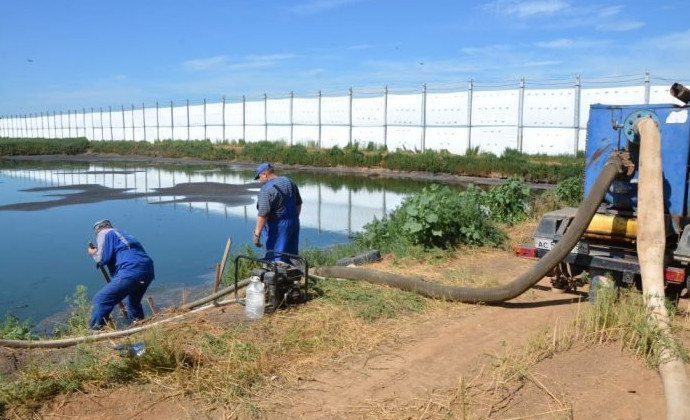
520	284
72	341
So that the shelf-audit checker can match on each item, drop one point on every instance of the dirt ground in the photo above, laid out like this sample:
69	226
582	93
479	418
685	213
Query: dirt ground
436	368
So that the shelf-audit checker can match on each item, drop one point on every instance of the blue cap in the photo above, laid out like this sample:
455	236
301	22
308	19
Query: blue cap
263	167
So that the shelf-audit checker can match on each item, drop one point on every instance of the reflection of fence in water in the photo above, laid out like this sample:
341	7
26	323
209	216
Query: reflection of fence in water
324	208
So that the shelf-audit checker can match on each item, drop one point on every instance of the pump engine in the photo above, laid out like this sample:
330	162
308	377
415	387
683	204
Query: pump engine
285	284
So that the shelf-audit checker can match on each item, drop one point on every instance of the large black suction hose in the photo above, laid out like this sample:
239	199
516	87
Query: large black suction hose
520	284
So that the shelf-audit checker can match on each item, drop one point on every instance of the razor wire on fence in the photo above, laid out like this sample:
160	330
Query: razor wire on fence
548	116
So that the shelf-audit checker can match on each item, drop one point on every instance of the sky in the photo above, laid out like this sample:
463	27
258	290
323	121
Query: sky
71	55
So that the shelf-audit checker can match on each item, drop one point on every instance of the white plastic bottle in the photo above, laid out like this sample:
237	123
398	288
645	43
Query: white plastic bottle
255	302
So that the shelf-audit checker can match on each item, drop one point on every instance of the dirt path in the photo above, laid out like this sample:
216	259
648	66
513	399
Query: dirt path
415	377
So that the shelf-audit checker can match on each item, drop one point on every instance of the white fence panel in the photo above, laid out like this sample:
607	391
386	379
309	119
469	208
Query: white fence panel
452	139
278	111
617	96
305	111
446	109
662	95
405	110
279	133
256	113
404	138
494	139
334	136
365	135
368	112
234	115
335	110
305	135
549	141
549	108
495	108
138	121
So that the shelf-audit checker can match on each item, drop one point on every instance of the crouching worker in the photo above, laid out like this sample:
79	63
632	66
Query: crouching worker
131	272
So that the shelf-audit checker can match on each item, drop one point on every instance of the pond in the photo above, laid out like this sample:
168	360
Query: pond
183	215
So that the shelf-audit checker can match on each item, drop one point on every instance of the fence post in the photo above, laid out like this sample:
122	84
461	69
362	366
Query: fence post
172	122
349	116
244	118
318	121
265	117
93	129
521	113
385	117
646	87
102	135
188	123
69	123
83	119
292	121
124	126
470	90
55	123
134	138
577	114
143	120
205	134
423	117
223	119
158	125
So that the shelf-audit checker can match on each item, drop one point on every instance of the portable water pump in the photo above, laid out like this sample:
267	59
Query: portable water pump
285	284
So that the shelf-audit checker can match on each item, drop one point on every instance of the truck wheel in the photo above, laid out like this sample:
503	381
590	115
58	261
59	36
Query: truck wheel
673	292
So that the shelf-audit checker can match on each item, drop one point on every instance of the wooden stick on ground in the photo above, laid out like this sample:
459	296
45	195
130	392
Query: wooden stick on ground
221	269
152	305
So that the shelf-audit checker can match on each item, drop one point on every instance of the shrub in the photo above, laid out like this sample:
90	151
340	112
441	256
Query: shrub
437	217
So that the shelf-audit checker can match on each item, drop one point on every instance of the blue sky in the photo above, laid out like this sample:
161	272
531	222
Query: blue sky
69	55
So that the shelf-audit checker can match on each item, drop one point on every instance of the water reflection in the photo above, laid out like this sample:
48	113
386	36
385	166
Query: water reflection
182	214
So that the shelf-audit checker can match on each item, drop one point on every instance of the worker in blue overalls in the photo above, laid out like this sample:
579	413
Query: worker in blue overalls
279	205
131	272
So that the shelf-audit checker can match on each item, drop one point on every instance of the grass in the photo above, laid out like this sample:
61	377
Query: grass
533	168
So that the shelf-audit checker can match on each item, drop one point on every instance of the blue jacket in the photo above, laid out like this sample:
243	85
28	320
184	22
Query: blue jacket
123	254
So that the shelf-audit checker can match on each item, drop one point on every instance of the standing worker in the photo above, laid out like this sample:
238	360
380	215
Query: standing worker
131	271
279	206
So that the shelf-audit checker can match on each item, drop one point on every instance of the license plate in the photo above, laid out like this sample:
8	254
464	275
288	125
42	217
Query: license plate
543	243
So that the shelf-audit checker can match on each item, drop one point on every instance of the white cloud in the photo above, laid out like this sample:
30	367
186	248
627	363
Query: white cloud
360	47
571	44
556	43
526	9
610	11
317	6
677	41
224	63
545	63
204	64
620	26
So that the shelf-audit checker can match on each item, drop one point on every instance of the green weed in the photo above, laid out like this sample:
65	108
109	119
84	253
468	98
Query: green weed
14	329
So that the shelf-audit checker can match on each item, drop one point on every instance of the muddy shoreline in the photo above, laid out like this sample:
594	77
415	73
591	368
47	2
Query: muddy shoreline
342	170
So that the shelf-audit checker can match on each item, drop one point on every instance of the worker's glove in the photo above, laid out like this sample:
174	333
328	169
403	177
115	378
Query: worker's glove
257	240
